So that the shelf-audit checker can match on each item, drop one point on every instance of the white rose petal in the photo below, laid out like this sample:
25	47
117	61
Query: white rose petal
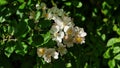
55	56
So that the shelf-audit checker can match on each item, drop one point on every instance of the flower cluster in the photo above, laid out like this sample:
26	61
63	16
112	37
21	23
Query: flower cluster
63	31
47	53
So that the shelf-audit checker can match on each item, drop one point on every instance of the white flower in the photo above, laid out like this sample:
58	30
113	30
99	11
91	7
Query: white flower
43	6
41	51
80	31
47	53
49	16
54	29
62	49
58	36
61	12
67	20
78	40
50	52
79	35
59	22
54	10
55	55
68	41
57	33
69	30
37	6
57	11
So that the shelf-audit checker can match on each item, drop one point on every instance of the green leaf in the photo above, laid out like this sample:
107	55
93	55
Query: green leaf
21	29
112	41
105	4
46	37
107	54
68	3
116	29
22	6
10	48
21	48
2	19
86	65
45	23
11	30
37	39
117	57
118	65
111	63
105	12
21	1
9	51
79	5
29	2
116	49
19	13
37	15
3	2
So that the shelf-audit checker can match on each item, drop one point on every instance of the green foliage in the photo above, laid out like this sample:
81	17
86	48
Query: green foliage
23	29
113	52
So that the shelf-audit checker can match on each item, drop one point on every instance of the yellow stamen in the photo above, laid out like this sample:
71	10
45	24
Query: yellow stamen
41	51
69	31
78	39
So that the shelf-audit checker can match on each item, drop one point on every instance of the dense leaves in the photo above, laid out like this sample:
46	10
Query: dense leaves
23	29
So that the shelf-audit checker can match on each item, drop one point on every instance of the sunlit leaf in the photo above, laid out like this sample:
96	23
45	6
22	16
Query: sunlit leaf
79	5
117	57
46	37
112	41
107	54
37	15
21	48
116	29
3	2
10	48
68	3
22	6
116	49
118	65
21	0
111	63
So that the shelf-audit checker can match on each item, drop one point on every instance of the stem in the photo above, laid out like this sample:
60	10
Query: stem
53	3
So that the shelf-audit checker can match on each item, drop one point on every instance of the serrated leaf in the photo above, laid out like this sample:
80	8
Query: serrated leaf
117	57
112	41
111	63
107	54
